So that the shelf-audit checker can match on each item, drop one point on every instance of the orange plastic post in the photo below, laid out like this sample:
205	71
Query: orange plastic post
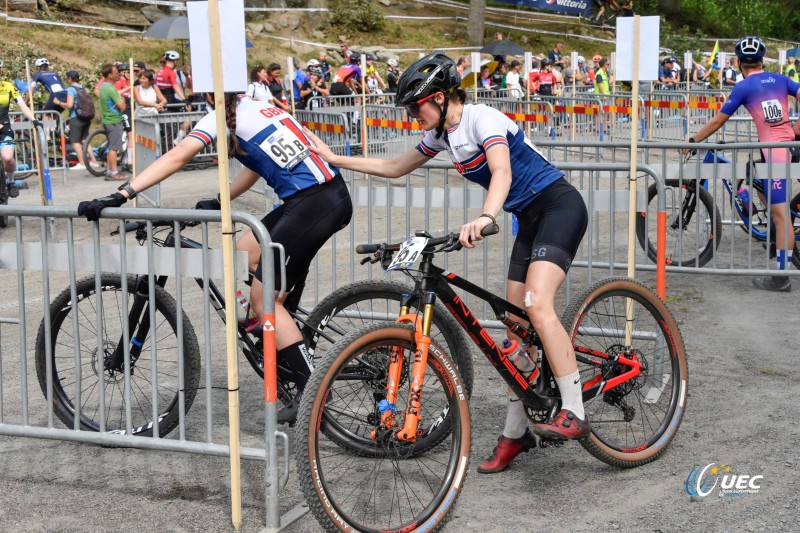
270	359
661	255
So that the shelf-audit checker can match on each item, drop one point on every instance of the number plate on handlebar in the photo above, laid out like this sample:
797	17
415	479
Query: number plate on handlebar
409	252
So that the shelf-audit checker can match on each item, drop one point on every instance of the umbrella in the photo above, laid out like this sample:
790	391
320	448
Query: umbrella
793	52
502	48
470	78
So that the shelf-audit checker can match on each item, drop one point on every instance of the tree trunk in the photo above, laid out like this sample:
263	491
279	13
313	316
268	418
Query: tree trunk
475	24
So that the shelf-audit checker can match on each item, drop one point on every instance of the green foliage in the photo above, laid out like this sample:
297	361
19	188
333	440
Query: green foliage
680	41
357	16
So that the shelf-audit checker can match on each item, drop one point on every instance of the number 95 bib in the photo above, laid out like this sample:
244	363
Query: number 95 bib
285	148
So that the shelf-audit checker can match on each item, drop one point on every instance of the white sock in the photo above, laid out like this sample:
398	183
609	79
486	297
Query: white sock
783	259
571	394
10	176
516	419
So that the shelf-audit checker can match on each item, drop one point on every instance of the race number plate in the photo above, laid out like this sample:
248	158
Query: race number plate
772	111
409	253
285	148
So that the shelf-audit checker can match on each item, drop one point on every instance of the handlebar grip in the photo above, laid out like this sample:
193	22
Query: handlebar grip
367	248
491	229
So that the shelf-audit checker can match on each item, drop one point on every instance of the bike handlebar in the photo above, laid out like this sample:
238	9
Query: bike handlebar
451	240
141	225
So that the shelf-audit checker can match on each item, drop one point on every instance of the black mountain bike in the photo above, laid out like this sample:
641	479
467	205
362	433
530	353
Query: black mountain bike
3	195
384	431
72	359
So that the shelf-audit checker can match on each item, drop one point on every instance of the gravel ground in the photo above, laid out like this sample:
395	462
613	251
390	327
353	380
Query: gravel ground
742	389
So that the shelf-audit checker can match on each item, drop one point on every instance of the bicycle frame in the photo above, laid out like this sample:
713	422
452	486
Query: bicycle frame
435	282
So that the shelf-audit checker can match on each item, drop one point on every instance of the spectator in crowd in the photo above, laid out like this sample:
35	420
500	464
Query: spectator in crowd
372	71
728	75
556	58
498	36
167	82
102	80
666	76
324	66
484	79
559	80
112	107
626	8
498	76
275	86
392	75
51	82
462	65
149	99
344	49
547	80
581	73
314	87
258	88
138	68
513	82
712	77
298	77
123	87
533	77
78	127
677	71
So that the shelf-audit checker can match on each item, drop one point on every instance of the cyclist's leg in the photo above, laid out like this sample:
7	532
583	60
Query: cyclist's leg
775	192
9	162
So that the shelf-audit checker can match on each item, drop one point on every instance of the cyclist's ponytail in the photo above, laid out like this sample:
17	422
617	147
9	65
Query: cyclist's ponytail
231	101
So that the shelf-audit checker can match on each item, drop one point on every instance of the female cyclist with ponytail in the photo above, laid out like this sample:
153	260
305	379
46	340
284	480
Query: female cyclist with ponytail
487	148
271	145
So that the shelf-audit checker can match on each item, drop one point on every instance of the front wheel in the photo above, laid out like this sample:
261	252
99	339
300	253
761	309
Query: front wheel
386	485
82	353
634	421
694	229
95	148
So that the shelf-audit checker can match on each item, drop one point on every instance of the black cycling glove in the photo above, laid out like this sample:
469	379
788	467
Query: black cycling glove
211	204
91	208
37	123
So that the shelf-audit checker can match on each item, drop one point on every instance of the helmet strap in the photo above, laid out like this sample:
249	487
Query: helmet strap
442	117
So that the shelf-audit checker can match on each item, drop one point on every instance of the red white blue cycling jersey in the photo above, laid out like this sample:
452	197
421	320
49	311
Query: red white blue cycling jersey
480	129
764	94
50	80
275	145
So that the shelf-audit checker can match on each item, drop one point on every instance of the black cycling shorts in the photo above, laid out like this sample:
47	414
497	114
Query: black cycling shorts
304	223
550	229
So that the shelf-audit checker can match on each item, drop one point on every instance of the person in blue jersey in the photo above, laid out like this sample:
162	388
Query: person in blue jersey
51	82
765	96
487	148
272	146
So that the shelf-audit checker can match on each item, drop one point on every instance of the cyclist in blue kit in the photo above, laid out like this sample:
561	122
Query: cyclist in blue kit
271	145
765	96
51	82
489	149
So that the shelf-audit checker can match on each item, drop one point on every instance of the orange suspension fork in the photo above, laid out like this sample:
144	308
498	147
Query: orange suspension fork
422	340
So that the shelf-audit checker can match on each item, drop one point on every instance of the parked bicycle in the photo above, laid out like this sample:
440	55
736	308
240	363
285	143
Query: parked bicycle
694	224
155	317
396	393
95	153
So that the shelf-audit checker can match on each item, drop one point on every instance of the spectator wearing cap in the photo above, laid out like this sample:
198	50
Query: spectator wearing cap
167	82
666	76
78	127
314	86
138	68
311	65
123	87
392	75
512	80
372	71
324	66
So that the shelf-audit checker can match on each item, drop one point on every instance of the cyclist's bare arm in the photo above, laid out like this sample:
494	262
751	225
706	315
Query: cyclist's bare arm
386	168
245	179
713	125
166	165
499	160
25	109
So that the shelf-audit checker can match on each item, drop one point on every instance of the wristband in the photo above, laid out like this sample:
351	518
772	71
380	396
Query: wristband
128	189
490	217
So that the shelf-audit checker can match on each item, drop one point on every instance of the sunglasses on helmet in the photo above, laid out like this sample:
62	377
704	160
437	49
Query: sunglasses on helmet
413	108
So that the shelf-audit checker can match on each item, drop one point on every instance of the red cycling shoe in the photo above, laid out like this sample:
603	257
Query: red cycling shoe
505	451
565	426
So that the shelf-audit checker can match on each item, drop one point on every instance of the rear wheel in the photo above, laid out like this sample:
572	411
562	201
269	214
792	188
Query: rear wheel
633	422
96	147
3	196
379	487
694	228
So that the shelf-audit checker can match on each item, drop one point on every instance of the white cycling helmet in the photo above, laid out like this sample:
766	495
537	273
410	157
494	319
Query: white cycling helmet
392	62
312	63
581	59
41	62
1	63
172	55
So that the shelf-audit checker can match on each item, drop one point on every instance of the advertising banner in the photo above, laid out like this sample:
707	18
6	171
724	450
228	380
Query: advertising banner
570	7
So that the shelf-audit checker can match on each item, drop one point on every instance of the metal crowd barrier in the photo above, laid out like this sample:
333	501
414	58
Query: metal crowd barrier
29	413
55	149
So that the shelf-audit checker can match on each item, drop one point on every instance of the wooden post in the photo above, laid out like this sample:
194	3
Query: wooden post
227	247
132	137
632	179
36	148
364	149
290	62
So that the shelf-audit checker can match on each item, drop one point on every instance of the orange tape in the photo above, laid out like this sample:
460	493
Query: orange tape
324	127
526	117
393	124
146	142
270	359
